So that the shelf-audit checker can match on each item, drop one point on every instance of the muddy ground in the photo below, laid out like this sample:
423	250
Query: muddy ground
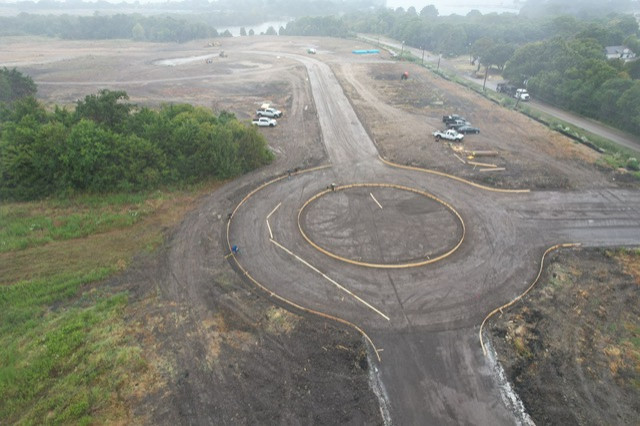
223	353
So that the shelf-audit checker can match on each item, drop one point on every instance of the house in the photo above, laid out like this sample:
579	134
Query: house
619	52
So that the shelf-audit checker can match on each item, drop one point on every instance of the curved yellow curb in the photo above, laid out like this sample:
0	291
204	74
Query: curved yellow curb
275	295
382	265
459	179
501	308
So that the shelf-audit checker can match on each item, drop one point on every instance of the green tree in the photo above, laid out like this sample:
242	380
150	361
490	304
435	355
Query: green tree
15	85
632	69
498	55
86	158
105	108
629	108
17	159
607	97
429	11
137	32
481	49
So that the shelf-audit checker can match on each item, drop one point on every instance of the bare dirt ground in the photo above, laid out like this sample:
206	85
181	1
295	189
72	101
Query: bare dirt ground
571	348
222	352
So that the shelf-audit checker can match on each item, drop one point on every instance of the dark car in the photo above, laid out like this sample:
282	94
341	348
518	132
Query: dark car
453	117
467	129
457	123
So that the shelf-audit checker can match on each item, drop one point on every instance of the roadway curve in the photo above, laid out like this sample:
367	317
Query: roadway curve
422	320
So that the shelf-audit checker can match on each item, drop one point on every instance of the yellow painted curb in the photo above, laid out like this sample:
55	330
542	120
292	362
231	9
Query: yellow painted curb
459	179
275	295
382	265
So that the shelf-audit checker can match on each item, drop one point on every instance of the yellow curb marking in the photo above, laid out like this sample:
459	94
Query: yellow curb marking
332	281
383	265
468	182
270	292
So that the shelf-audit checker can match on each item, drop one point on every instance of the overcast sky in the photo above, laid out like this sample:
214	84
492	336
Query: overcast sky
445	7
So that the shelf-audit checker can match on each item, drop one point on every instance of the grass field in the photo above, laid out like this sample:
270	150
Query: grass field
66	353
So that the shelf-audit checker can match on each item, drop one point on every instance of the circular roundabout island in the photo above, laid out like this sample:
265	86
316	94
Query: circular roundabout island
381	225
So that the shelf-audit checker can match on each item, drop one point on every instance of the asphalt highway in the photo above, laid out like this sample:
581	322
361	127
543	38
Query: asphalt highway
423	319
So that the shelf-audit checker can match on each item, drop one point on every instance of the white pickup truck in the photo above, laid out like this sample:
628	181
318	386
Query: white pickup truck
450	135
522	94
269	112
264	122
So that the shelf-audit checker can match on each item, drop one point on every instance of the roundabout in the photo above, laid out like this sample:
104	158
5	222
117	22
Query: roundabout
396	261
397	227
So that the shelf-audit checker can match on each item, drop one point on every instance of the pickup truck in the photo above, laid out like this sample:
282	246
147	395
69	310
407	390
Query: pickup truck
522	94
264	122
513	91
450	135
269	112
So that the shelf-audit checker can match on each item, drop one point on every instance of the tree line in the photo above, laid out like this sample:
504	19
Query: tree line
108	145
159	28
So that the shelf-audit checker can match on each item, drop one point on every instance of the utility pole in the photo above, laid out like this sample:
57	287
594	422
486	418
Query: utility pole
439	56
422	55
402	49
486	72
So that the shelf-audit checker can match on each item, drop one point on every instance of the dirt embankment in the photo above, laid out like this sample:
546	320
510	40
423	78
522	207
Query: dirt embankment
571	348
232	357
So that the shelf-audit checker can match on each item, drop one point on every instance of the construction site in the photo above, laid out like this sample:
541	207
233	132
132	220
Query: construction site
378	275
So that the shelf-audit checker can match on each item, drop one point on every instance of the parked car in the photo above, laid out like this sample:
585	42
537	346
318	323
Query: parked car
450	135
468	129
455	124
269	112
264	122
453	117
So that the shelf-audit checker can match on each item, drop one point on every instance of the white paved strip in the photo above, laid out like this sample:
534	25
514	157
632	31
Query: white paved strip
268	216
359	299
374	199
273	211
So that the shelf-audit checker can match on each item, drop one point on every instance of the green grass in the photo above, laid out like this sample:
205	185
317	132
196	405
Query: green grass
67	355
25	225
57	364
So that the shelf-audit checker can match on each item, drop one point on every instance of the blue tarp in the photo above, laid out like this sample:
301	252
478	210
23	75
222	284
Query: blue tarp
365	52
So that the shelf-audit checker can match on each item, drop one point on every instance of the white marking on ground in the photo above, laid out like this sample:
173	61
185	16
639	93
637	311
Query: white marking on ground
374	199
332	281
268	216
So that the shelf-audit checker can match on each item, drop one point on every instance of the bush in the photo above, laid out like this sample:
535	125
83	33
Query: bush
107	145
632	164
